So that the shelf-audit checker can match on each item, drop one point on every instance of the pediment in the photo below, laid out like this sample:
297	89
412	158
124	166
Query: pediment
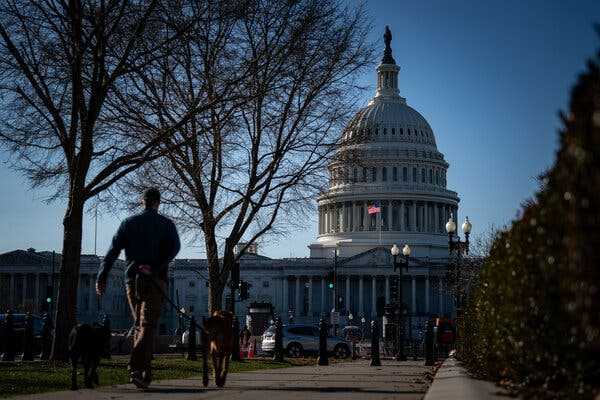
378	257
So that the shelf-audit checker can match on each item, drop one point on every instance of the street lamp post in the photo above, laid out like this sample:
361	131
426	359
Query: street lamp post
400	265
459	247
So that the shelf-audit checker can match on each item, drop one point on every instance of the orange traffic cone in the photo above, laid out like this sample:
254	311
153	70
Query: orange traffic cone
252	349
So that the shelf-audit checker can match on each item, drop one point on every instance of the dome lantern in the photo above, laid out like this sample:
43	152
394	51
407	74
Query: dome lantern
387	71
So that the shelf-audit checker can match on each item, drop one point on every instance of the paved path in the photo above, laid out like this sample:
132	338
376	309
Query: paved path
347	381
452	382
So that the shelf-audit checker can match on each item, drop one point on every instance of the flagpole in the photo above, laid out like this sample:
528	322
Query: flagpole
380	217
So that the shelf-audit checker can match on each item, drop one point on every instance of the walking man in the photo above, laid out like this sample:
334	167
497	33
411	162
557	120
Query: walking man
150	241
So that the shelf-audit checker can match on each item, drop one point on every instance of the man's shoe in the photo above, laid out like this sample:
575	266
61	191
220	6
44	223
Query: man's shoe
138	380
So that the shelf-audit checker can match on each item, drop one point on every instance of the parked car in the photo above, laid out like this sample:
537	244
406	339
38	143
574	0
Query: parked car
300	339
19	326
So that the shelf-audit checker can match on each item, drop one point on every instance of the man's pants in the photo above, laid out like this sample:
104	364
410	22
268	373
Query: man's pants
146	313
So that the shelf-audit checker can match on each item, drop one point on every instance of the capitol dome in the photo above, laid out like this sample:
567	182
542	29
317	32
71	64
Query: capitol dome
388	158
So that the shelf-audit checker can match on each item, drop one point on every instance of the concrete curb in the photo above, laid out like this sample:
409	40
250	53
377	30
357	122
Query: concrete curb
452	382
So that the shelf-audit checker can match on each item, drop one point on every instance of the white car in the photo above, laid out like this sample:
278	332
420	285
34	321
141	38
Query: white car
299	339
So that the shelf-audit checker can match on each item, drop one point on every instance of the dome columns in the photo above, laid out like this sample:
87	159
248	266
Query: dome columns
407	215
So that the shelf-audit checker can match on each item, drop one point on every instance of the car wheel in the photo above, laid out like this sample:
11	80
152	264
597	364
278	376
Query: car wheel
341	351
294	350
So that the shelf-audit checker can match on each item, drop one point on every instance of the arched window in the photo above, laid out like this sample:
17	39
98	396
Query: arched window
374	174
414	174
384	174
423	178
393	131
408	131
405	174
395	173
437	177
385	131
401	131
430	176
355	175
364	174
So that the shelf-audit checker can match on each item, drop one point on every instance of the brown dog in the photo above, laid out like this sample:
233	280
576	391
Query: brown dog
220	342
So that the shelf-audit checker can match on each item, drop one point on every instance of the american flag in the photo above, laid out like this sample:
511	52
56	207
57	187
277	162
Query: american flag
374	208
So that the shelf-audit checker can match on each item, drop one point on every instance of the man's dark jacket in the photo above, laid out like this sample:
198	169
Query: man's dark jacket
147	238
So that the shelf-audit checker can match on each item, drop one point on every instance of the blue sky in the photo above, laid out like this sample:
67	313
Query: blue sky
489	77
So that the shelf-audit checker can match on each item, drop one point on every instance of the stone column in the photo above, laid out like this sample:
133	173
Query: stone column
426	219
323	296
285	303
356	222
24	288
414	294
310	297
436	216
360	295
387	289
11	296
441	295
367	222
374	296
347	299
413	216
36	294
427	294
297	298
401	216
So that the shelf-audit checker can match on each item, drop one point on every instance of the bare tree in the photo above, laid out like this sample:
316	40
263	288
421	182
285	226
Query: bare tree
248	164
64	68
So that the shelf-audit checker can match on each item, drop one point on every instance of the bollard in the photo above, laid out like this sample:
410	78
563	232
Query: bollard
323	356
28	338
204	347
278	356
235	353
375	360
429	359
9	337
191	355
106	324
278	350
46	337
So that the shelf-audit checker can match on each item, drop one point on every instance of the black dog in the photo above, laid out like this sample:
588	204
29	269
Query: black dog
88	343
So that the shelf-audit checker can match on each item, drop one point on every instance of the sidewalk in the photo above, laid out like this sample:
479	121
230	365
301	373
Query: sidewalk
348	380
452	382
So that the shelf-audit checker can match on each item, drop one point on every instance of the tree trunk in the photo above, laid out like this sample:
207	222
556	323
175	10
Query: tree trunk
66	302
215	297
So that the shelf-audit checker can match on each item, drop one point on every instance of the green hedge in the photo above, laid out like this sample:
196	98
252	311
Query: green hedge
533	319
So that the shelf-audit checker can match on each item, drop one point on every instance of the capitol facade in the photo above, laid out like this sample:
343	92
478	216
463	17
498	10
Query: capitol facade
388	157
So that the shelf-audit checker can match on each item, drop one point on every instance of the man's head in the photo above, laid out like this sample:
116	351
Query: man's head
151	198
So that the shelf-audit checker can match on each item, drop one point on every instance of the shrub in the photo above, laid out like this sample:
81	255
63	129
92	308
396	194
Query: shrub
533	319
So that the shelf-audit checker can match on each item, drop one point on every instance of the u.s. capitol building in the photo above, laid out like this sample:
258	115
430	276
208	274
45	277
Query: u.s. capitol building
394	164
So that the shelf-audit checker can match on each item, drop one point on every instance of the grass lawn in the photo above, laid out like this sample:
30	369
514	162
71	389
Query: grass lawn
41	376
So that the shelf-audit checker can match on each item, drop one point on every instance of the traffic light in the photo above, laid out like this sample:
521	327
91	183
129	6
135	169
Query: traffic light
244	290
46	304
330	280
49	294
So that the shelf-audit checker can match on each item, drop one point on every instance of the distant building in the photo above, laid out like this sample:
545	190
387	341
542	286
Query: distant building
26	277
